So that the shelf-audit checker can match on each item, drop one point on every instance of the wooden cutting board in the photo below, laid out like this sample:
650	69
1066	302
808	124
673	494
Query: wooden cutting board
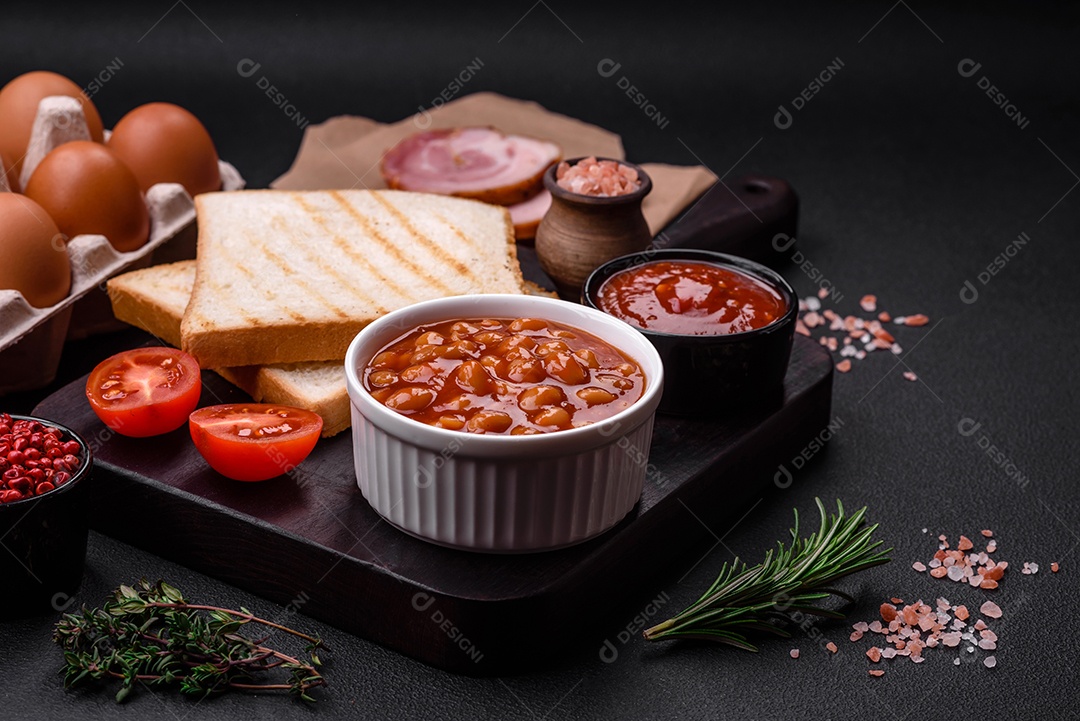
312	543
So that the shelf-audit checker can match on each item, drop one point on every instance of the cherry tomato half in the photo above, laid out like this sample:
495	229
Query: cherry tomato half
145	391
254	441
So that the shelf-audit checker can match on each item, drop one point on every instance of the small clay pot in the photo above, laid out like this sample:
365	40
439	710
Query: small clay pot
579	233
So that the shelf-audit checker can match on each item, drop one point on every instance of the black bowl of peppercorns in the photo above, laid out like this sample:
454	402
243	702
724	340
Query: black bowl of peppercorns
44	474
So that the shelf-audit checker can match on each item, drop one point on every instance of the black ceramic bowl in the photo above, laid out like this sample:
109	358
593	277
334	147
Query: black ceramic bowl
715	375
43	541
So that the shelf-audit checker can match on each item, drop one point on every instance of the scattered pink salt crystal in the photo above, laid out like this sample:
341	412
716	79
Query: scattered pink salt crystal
869	303
794	653
919	566
989	662
916	320
990	609
910	376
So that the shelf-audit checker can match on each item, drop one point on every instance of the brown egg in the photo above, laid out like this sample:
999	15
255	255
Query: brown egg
19	101
33	254
163	143
87	189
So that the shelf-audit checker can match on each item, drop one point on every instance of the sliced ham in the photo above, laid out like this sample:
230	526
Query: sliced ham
527	216
480	163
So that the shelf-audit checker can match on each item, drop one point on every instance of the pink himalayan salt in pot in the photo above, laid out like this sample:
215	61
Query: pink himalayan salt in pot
600	178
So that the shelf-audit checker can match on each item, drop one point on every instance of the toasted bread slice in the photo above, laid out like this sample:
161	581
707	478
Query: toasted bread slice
154	299
284	276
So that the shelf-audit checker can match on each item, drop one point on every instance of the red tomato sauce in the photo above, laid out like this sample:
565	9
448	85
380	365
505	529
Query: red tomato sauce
691	298
503	376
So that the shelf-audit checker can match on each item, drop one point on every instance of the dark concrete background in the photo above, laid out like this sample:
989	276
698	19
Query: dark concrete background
912	180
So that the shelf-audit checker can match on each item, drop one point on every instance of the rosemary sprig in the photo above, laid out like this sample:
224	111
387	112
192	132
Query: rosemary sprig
790	579
150	634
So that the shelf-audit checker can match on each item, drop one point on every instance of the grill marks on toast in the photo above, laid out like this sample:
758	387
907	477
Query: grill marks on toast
391	248
292	276
349	252
312	254
310	288
228	258
466	242
424	243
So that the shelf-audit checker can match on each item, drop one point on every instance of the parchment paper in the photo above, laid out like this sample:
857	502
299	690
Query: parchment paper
345	152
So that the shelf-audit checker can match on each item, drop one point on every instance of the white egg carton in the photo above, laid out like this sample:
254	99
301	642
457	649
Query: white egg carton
32	339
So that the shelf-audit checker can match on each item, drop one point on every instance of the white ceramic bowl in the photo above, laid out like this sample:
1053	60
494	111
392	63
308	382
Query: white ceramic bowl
493	492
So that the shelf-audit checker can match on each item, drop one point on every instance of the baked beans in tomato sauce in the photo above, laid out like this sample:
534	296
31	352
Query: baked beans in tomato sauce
510	376
691	298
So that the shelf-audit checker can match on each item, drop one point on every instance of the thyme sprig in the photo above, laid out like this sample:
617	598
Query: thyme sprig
150	634
790	579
